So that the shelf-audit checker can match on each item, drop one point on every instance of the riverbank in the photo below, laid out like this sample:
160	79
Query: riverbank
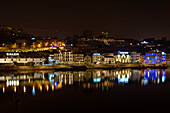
134	66
83	67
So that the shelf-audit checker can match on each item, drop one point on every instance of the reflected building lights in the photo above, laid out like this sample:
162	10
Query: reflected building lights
52	87
15	89
33	90
55	83
24	89
104	79
40	88
154	75
12	83
47	87
3	89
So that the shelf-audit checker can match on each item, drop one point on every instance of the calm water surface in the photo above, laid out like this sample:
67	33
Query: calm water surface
85	91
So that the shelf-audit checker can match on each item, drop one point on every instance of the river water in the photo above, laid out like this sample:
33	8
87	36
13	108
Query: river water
85	91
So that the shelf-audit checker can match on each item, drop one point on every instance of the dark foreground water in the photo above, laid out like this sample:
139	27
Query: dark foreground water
88	91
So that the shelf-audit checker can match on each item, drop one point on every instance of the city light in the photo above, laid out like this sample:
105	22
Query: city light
33	90
15	89
52	87
40	88
3	89
96	80
32	38
47	87
84	56
24	89
123	52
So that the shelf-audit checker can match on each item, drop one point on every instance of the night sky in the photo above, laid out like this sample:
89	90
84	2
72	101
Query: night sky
121	18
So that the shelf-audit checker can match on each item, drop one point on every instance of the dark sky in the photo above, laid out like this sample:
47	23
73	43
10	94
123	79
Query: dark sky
121	18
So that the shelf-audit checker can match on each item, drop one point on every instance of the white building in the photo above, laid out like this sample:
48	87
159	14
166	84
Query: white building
63	58
68	58
21	60
108	58
123	57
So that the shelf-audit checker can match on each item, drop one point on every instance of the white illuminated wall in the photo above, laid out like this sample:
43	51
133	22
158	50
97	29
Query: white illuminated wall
122	58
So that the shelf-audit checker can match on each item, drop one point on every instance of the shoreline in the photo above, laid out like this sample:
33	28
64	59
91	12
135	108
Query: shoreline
84	67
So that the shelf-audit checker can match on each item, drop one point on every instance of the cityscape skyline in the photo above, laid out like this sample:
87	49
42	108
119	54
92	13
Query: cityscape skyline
122	19
84	56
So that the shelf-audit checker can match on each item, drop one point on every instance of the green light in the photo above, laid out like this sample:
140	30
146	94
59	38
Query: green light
107	33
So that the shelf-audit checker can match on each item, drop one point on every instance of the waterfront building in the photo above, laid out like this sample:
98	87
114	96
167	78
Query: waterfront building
108	58
63	58
87	60
20	60
155	57
168	58
68	58
141	59
135	57
17	59
123	57
78	58
51	59
97	58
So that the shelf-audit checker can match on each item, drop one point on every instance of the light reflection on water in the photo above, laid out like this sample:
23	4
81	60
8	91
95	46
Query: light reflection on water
32	83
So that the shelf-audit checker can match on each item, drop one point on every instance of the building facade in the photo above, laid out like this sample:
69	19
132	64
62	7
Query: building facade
78	58
87	60
97	58
63	58
123	57
108	58
155	57
135	57
21	60
68	58
168	58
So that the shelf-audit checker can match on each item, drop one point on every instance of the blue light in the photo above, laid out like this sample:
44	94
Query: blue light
96	53
123	80
55	83
155	57
155	74
96	80
163	79
32	38
164	76
33	91
51	77
55	45
145	81
144	42
123	52
163	53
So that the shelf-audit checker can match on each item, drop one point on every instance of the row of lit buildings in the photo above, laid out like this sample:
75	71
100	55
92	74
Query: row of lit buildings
108	58
70	58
